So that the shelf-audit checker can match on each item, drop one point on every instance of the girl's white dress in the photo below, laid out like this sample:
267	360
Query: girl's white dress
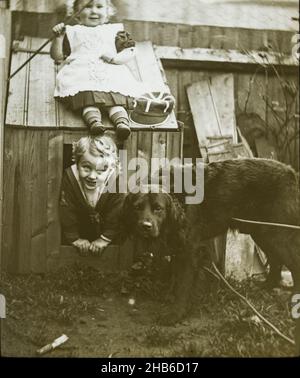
83	70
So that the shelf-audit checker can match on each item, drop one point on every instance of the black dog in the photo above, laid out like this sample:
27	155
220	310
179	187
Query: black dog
253	189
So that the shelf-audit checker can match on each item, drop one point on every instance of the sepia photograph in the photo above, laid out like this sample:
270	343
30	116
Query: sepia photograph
149	181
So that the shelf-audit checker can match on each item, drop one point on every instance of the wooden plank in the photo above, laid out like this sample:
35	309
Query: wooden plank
17	95
35	5
201	36
184	38
55	158
11	228
72	136
212	106
41	104
231	39
139	30
222	90
159	148
172	80
149	70
184	80
202	110
196	148
35	24
175	145
68	119
217	58
5	32
163	33
144	147
39	202
24	191
19	153
131	149
175	139
219	147
39	24
11	154
217	38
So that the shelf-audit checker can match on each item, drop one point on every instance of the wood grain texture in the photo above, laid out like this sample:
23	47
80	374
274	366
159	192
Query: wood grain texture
41	105
235	59
145	147
55	168
18	87
24	197
167	33
5	36
159	149
39	173
11	157
212	106
35	5
148	68
131	151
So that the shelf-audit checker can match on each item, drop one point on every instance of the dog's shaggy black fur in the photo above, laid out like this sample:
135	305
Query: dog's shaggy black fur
253	189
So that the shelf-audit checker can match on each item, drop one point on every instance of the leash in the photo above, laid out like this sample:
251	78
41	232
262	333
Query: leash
223	279
268	223
68	20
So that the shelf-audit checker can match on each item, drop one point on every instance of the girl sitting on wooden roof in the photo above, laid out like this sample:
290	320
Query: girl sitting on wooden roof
94	76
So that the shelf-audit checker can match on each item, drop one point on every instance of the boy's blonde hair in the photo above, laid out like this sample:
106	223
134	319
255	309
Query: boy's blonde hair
111	8
101	146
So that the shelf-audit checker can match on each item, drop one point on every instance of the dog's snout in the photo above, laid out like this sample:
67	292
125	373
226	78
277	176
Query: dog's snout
147	225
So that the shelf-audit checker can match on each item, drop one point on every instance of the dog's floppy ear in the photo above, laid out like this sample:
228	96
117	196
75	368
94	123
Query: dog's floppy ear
176	221
177	214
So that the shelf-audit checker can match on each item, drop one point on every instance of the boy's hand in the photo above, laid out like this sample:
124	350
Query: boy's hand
59	29
98	246
82	245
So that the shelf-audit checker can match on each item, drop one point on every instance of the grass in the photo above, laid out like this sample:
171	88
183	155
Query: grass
81	300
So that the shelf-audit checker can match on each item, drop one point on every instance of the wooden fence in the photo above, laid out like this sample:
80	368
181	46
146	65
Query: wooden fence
29	231
259	96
